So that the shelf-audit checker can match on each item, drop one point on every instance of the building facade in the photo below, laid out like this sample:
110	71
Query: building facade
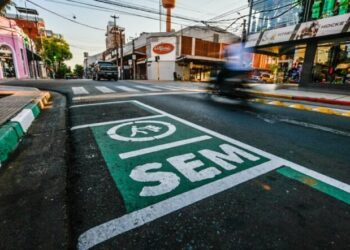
13	56
34	28
191	54
305	42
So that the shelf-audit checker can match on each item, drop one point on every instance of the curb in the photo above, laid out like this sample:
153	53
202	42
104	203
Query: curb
12	132
303	98
319	109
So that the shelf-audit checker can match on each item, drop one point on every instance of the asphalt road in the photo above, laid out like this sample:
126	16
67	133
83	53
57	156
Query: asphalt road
155	166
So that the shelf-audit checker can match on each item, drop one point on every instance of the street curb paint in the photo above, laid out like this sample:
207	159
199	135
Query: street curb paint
323	110
8	141
12	131
35	109
302	98
315	183
25	118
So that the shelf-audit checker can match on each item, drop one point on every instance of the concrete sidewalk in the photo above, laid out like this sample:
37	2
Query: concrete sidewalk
293	92
281	91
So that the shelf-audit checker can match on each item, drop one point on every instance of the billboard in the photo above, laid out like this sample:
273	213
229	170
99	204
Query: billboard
317	28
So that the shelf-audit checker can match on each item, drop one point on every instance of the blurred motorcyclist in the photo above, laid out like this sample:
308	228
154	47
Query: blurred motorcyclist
235	70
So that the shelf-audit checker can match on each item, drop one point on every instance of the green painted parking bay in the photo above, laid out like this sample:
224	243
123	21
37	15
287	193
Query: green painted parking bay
161	163
153	170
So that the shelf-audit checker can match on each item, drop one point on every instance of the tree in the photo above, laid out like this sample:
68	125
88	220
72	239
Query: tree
55	51
63	70
78	70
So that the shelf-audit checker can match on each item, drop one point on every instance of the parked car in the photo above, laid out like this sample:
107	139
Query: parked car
267	77
70	76
104	70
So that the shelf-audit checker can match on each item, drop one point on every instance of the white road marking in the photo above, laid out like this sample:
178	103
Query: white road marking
163	147
97	104
168	88
315	126
115	122
147	88
105	89
127	89
138	218
126	95
323	178
79	91
115	227
340	185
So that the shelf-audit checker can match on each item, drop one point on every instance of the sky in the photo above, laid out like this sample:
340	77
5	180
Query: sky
83	39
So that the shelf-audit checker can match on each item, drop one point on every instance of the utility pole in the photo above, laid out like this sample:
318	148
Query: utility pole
115	39
121	54
160	15
251	4
244	31
133	60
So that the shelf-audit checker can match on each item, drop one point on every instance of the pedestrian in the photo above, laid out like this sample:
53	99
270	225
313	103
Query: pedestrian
175	76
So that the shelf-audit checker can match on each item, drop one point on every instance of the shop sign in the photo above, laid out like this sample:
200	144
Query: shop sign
252	40
163	48
322	27
277	35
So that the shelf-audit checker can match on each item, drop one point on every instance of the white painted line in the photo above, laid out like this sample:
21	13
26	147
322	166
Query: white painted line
98	104
169	88
340	185
126	95
105	89
317	127
115	122
127	89
147	88
79	91
163	147
24	118
115	227
326	179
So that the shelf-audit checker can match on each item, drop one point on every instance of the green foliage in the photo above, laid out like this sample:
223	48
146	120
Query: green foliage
55	51
78	70
62	71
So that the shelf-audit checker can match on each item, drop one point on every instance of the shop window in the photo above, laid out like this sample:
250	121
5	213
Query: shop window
332	64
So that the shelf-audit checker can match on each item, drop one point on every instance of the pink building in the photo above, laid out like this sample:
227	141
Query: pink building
13	55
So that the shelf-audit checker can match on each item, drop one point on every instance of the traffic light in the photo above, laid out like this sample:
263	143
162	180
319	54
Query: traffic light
157	58
26	41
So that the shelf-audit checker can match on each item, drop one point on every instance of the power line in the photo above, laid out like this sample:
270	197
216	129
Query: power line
66	18
105	9
274	17
144	9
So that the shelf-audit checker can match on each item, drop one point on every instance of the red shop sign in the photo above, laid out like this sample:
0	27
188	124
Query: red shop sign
163	48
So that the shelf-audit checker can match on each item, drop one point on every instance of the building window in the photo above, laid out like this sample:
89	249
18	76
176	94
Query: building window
328	8
332	63
216	38
272	14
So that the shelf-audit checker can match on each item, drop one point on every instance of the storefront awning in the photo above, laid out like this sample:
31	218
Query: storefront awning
200	59
33	56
